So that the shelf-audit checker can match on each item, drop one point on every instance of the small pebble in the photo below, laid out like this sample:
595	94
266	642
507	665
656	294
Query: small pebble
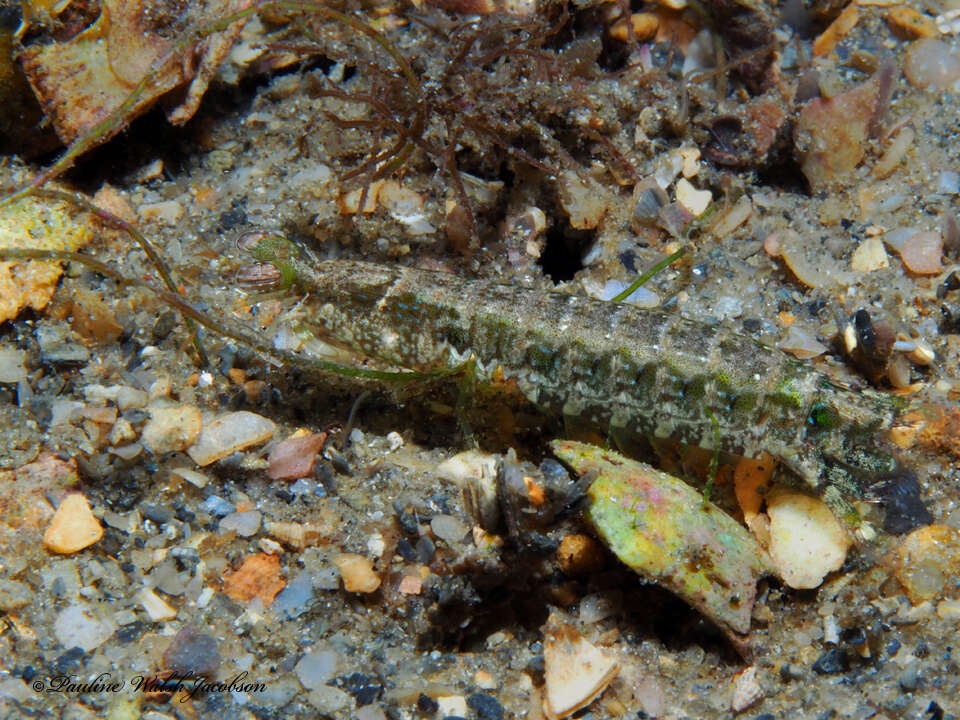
168	212
258	577
157	608
427	705
159	515
217	506
870	255
801	343
576	671
78	626
371	712
244	524
228	434
296	598
485	707
364	688
328	700
696	201
452	705
932	64
425	550
949	610
11	365
926	560
909	678
73	526
14	595
357	573
448	528
921	253
295	457
831	662
948	182
318	667
171	429
197	479
192	653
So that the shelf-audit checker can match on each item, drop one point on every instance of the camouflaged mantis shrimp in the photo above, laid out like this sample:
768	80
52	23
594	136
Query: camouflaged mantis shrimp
615	367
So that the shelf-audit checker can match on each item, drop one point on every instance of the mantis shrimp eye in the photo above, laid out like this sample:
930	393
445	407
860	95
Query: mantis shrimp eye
823	417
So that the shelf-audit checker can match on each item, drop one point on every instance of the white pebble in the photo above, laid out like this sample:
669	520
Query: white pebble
76	626
228	434
949	182
244	523
11	366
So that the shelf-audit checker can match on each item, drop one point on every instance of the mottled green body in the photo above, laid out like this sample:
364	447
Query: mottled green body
660	527
611	364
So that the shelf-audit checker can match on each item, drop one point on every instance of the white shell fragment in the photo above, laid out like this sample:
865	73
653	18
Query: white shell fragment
870	255
696	201
746	690
576	672
801	343
156	607
229	433
806	540
476	474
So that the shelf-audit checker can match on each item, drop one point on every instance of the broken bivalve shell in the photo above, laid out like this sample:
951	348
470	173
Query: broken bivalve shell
575	671
661	528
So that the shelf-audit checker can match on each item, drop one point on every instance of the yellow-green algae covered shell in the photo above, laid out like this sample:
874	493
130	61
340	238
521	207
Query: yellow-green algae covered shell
660	527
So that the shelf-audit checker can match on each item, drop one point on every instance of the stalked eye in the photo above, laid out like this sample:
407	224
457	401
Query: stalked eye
823	416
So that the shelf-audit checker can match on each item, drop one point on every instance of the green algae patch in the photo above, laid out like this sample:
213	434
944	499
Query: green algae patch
660	527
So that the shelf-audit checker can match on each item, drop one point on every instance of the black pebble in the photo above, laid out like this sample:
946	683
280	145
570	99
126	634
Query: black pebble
408	521
184	515
831	662
70	662
406	550
903	505
427	704
425	550
485	707
129	633
364	688
854	636
231	218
